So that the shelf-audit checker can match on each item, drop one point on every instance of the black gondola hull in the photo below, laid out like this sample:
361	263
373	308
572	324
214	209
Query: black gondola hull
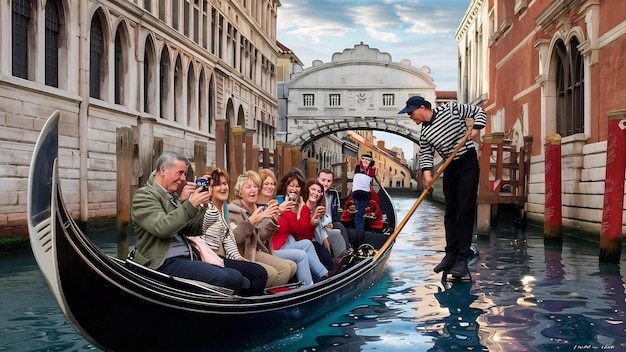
117	309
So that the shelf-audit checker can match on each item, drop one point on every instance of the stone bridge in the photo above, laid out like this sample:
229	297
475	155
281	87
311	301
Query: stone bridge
309	130
360	88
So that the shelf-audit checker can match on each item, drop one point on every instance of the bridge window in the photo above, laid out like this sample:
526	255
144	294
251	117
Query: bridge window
389	100
334	100
308	99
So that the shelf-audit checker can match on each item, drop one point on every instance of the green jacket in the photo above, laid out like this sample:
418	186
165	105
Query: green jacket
156	220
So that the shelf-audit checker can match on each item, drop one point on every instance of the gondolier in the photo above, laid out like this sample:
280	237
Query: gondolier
442	129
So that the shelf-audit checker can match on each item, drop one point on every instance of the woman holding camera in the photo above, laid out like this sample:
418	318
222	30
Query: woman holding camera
256	224
292	221
219	234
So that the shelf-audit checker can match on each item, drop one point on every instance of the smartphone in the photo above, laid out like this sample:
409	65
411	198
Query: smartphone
280	199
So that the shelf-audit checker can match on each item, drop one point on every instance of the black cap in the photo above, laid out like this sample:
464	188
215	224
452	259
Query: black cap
414	103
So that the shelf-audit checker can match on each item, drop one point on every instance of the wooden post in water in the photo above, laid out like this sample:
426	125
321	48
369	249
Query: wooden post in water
124	154
221	136
285	160
256	153
236	154
311	168
199	158
251	163
296	157
612	211
266	159
485	193
278	159
553	215
344	180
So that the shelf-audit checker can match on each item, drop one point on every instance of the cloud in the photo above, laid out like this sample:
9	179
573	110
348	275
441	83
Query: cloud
421	31
312	22
380	22
430	18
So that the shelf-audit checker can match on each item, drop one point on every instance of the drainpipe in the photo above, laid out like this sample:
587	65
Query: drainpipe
611	232
553	217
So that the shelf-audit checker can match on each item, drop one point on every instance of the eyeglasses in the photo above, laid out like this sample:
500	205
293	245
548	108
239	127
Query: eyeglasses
297	185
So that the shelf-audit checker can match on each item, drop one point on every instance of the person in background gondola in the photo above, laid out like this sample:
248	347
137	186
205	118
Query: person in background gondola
337	233
361	186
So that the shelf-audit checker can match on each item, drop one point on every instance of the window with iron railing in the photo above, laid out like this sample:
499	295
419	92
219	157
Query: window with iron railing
308	99
389	100
334	100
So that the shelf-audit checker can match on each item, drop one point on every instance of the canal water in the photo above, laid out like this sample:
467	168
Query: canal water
523	297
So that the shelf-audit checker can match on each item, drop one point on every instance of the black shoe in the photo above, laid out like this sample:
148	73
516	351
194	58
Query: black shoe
446	263
460	268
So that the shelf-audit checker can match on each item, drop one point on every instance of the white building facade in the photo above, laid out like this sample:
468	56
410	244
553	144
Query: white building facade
181	74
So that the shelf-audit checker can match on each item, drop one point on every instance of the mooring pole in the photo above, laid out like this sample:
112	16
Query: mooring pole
553	217
124	154
612	211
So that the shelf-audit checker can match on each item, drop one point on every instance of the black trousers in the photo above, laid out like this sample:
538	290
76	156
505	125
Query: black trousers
255	273
460	186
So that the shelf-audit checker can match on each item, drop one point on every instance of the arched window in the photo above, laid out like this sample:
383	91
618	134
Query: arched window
119	67
21	24
164	80
96	50
150	78
53	30
201	101
210	103
569	89
191	107
179	101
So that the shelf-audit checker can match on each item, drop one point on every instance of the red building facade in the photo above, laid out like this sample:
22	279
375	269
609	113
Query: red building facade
546	67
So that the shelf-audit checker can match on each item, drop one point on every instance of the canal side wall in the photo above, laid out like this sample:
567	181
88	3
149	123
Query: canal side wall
583	171
22	116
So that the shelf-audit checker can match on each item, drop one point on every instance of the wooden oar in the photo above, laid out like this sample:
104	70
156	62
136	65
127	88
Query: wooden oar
470	124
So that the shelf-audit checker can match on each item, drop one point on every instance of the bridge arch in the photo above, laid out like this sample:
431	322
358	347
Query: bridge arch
324	128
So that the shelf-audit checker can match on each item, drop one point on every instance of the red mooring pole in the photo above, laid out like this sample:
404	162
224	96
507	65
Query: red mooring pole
611	232
553	217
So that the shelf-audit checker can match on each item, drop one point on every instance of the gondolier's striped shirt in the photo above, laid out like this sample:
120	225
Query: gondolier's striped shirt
444	131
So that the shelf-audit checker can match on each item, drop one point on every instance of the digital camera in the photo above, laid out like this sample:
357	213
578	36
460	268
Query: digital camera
204	183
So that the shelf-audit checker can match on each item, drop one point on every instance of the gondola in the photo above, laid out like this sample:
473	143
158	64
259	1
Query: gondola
118	308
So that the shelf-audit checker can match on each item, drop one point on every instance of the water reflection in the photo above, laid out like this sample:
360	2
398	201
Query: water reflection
460	329
524	297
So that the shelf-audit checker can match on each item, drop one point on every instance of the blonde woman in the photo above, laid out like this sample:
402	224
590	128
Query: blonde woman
262	219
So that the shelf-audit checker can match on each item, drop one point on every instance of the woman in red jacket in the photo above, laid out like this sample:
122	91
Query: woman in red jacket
294	222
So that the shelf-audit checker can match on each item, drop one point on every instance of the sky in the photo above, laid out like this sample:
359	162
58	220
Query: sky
421	31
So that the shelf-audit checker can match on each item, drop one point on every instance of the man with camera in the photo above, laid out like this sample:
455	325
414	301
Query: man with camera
164	211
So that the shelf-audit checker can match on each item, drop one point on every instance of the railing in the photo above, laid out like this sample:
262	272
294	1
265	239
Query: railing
504	170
